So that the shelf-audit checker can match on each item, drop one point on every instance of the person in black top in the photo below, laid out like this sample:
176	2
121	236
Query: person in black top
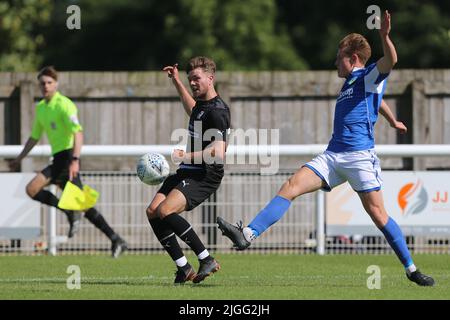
200	171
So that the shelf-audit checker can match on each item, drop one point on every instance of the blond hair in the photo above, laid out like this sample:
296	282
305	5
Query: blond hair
354	43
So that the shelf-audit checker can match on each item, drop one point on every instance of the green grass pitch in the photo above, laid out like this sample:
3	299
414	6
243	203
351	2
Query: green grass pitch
242	276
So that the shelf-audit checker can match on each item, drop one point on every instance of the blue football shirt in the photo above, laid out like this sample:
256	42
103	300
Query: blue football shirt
357	110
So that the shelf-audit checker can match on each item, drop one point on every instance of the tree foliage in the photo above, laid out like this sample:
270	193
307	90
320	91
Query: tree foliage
137	35
239	35
19	43
420	30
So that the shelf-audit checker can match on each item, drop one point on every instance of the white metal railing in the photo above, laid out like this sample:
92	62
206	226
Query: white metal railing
12	151
392	150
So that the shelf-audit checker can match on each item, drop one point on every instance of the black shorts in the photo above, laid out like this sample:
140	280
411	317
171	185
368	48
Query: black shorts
195	185
58	171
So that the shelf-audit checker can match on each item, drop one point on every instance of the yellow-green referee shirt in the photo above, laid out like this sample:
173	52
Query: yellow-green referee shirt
58	118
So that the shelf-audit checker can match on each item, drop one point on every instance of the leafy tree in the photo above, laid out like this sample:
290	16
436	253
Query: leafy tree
239	35
137	35
421	30
19	43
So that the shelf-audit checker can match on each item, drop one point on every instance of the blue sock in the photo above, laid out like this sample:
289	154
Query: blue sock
269	215
395	238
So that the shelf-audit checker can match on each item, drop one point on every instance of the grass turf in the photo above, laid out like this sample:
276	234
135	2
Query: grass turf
242	276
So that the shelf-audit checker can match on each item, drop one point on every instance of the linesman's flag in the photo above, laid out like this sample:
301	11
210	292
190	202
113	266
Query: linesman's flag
73	198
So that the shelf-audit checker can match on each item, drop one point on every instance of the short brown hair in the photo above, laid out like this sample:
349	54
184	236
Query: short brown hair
207	64
49	71
355	43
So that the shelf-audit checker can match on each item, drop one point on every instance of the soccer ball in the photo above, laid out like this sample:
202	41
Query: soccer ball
152	168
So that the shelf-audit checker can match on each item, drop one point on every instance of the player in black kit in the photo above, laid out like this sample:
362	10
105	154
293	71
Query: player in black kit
200	171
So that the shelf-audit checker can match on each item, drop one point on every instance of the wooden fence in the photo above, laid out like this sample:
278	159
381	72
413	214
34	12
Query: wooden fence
143	108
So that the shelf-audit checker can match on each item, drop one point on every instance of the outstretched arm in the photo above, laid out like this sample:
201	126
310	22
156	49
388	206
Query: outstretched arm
387	62
186	98
386	112
14	164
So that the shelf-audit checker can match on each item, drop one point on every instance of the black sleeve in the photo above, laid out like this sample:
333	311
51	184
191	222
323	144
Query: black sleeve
217	124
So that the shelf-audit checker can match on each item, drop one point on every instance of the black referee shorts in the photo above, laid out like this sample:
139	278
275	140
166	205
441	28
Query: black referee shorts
195	185
58	171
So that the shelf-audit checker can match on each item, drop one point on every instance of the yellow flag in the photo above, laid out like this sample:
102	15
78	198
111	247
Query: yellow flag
73	198
91	196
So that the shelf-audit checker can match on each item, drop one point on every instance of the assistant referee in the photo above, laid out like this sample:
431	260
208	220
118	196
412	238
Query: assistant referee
56	115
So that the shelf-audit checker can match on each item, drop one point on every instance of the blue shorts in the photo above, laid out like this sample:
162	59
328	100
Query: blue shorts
360	168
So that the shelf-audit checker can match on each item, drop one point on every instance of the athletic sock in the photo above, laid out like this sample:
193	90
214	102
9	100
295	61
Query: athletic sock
168	240
184	230
273	212
99	221
203	255
181	262
249	234
48	198
394	237
411	268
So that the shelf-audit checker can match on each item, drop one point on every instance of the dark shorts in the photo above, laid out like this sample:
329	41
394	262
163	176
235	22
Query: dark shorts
58	171
195	185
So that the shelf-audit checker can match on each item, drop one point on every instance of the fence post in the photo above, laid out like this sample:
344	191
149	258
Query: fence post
320	222
52	240
420	120
26	118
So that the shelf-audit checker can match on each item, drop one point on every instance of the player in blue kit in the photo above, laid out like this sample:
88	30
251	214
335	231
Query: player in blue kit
350	154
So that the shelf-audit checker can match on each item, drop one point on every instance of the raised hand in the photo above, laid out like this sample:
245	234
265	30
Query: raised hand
186	98
385	26
172	71
387	62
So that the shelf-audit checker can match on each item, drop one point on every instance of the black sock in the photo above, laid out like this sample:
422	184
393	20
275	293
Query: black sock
167	238
48	198
97	220
184	230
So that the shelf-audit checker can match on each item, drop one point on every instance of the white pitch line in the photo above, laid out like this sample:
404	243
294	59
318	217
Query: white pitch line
6	280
